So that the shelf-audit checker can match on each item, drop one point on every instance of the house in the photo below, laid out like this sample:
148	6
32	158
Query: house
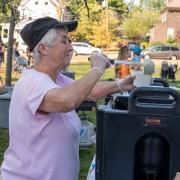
33	9
169	26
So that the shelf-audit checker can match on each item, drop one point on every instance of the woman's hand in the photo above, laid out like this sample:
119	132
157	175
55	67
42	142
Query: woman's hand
100	61
125	84
177	177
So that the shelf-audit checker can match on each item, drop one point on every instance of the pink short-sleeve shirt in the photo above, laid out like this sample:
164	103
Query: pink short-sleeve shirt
41	146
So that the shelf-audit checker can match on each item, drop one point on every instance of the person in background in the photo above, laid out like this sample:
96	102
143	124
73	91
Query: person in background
15	50
123	70
136	58
29	57
1	61
44	128
1	84
1	53
16	55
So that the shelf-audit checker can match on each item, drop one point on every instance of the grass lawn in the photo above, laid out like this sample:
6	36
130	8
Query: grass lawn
85	155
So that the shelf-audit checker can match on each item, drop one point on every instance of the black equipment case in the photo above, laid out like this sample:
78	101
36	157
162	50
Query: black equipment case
141	142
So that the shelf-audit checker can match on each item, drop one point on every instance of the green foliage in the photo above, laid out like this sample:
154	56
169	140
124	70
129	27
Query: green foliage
104	31
176	44
144	44
6	8
119	6
99	30
139	23
101	33
156	5
171	40
156	43
102	27
4	138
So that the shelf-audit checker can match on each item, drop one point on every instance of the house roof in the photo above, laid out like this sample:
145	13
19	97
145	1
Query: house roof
173	4
57	2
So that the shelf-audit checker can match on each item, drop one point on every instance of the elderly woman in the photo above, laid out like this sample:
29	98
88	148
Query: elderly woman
44	128
177	177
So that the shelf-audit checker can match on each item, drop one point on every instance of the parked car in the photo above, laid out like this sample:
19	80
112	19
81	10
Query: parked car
162	52
84	48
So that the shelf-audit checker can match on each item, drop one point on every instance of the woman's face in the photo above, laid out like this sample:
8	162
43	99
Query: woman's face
128	53
60	53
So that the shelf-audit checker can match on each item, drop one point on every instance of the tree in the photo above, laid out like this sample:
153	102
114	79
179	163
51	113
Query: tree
178	36
119	6
156	5
9	13
104	34
139	23
102	25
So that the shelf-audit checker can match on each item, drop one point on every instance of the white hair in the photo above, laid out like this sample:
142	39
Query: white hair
48	40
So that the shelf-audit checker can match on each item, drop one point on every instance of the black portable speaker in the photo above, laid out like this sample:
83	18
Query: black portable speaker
141	142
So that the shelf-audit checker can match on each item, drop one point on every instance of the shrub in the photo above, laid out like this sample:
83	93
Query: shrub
156	43
171	40
144	44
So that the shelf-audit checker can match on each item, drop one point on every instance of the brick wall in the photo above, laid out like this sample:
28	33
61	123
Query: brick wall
160	30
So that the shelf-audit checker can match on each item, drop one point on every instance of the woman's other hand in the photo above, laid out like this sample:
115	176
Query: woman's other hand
125	84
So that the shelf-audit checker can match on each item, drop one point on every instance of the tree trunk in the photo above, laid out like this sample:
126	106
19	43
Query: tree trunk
10	50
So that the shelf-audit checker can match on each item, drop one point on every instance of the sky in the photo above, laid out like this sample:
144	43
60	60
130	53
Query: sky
136	1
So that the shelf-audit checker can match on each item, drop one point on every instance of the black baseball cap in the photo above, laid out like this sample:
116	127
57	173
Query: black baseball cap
33	32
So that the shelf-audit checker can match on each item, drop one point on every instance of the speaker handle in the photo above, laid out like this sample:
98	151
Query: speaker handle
154	100
161	81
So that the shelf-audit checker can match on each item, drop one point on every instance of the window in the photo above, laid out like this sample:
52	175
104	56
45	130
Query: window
157	48
174	49
164	17
5	33
84	45
46	3
78	45
170	32
164	48
36	2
